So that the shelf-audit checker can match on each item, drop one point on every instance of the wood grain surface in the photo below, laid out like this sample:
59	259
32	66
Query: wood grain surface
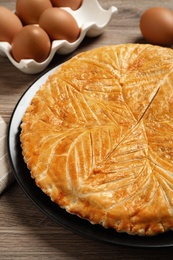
25	232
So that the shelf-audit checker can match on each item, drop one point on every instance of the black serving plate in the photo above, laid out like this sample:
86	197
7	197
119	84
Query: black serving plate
69	221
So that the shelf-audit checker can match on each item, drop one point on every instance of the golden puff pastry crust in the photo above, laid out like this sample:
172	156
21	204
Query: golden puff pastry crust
98	137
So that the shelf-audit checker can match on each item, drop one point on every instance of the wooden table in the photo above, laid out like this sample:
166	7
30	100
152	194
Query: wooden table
25	232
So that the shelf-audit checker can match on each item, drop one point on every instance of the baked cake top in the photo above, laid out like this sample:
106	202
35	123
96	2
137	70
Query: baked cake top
98	137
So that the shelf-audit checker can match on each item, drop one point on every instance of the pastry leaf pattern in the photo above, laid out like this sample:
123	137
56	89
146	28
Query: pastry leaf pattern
105	126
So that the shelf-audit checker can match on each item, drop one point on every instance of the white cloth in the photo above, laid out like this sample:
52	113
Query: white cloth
6	175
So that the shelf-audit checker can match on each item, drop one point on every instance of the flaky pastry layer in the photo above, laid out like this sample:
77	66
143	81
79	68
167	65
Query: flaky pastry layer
98	137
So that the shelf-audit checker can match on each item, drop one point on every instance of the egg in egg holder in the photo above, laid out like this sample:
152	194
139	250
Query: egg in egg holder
92	24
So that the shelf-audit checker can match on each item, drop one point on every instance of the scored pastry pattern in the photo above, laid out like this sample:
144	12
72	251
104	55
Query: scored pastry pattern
98	137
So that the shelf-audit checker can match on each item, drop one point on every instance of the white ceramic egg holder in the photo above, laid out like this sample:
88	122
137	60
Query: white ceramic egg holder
91	18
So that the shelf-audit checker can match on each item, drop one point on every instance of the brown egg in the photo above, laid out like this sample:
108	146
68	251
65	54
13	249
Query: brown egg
9	25
59	24
32	42
156	25
30	11
73	4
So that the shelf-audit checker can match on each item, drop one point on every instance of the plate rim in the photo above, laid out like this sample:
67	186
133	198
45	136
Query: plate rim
13	133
